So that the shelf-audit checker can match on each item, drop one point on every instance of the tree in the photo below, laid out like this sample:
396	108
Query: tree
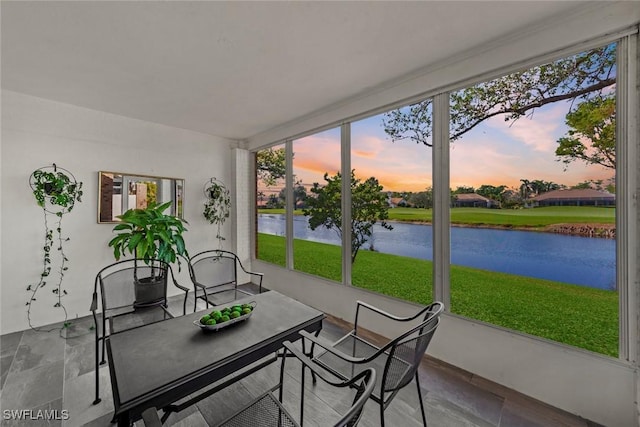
583	76
369	205
274	202
525	189
422	199
592	134
463	189
597	184
536	187
299	195
271	165
491	191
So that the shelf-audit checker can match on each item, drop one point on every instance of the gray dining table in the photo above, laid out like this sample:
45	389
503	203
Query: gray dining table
158	364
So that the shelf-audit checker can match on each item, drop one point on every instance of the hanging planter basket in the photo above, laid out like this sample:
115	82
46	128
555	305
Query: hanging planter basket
217	206
56	191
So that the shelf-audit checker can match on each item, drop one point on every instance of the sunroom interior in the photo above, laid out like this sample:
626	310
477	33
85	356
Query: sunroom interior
193	90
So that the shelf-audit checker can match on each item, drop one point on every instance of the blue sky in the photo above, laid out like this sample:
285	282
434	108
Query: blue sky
494	153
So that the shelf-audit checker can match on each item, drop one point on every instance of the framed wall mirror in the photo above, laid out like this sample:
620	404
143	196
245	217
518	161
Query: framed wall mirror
119	191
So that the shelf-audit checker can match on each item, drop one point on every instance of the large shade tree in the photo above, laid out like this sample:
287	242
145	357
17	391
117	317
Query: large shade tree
591	137
582	78
271	165
369	206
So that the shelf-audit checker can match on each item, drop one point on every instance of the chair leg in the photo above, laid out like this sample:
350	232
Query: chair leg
381	414
195	301
310	354
424	417
97	399
184	305
104	333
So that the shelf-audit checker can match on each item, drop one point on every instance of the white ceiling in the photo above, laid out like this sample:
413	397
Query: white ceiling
235	69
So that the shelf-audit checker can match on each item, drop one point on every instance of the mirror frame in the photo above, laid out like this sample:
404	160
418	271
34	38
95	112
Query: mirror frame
177	187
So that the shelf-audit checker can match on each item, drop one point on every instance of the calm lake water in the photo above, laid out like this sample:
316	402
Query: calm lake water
571	259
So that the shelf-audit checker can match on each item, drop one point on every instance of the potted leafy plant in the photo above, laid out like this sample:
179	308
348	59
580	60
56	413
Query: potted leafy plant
149	235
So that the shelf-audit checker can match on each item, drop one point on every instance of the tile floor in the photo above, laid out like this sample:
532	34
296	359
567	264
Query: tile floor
44	371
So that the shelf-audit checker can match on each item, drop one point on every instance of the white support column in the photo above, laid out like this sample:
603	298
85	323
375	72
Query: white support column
627	212
441	200
627	200
240	187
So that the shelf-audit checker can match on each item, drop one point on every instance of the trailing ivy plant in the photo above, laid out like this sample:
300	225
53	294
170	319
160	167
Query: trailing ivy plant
56	191
217	206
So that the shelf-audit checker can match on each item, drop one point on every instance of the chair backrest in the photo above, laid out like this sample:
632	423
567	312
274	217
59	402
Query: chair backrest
116	281
213	268
406	351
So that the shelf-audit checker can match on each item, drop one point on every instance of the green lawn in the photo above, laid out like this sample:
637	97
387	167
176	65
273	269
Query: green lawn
529	218
576	315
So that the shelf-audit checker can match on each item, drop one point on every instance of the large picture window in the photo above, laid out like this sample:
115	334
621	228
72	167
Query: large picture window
533	201
391	207
270	205
317	247
531	194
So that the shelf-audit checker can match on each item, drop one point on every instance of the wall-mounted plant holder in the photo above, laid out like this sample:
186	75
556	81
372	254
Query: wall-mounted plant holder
56	191
217	205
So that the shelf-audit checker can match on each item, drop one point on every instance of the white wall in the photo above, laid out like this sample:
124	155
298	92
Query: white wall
598	388
38	132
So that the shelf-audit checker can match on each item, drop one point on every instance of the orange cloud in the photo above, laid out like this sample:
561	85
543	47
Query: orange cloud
364	154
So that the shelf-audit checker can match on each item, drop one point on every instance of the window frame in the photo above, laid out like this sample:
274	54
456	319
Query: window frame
627	184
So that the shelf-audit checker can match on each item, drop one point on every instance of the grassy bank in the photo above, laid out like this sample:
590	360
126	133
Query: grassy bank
527	218
575	315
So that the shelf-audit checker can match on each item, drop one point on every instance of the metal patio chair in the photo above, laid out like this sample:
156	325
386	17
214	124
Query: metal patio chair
269	410
117	303
216	271
397	361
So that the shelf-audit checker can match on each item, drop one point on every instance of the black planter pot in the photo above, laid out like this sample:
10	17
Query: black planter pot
149	291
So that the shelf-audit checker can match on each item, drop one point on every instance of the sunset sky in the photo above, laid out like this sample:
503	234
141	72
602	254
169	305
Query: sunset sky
493	153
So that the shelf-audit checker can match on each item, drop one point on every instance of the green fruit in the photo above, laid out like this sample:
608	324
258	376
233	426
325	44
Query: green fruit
246	306
246	310
235	314
216	313
224	318
211	322
204	319
236	307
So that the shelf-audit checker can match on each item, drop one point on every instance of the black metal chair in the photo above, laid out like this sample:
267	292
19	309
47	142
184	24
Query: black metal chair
122	304
268	409
397	361
216	271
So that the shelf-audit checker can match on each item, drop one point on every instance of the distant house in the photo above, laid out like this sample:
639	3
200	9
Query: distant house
574	197
395	202
473	200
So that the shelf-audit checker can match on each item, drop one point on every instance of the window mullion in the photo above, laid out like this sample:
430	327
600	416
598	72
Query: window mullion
289	203
441	200
345	136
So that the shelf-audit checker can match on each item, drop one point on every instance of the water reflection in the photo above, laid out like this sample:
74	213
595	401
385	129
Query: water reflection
571	259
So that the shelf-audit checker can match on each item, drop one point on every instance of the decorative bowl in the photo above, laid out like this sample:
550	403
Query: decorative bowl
220	325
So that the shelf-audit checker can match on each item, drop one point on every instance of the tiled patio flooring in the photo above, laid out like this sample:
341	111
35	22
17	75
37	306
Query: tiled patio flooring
43	371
